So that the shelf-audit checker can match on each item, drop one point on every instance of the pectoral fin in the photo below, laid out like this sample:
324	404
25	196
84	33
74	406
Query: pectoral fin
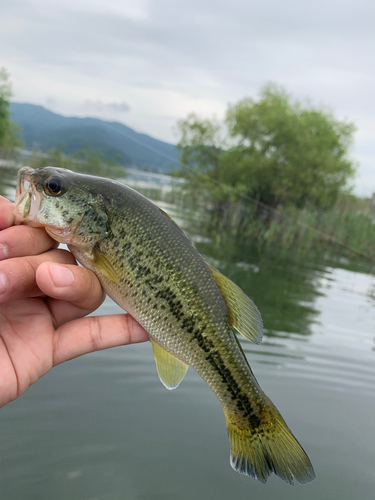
171	370
104	266
244	315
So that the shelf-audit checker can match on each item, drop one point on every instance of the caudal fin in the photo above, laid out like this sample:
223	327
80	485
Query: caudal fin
271	447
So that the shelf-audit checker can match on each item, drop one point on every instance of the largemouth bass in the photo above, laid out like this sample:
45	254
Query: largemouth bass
148	266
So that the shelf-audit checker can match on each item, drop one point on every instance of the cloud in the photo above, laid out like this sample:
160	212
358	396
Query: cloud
103	107
163	58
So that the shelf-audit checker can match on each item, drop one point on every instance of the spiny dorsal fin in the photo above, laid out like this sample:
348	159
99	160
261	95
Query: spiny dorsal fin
244	315
171	370
103	265
173	222
169	217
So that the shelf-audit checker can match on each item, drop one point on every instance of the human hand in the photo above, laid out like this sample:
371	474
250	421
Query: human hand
44	298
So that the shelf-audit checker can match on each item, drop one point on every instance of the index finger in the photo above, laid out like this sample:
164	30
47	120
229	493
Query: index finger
6	213
95	333
19	241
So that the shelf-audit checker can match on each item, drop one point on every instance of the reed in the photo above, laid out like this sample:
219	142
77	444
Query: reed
349	225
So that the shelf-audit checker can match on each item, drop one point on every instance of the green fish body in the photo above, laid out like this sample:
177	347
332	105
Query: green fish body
148	266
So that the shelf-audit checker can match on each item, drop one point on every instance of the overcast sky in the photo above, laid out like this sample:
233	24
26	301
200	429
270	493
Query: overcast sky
147	63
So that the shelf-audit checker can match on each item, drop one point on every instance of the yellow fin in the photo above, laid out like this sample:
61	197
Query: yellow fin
244	315
171	370
103	265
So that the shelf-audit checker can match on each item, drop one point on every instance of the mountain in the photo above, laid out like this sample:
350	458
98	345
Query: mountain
44	129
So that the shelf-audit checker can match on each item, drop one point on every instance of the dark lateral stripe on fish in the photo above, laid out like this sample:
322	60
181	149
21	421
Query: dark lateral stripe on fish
242	401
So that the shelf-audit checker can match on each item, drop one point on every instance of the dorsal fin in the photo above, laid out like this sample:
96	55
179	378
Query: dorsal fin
171	370
174	223
170	218
244	315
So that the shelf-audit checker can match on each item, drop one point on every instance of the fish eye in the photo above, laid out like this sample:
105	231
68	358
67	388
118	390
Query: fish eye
54	186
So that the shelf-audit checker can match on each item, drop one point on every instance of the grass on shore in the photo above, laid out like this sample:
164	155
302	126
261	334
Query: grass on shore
348	225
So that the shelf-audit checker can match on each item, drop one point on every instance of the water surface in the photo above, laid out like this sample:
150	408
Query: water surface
103	427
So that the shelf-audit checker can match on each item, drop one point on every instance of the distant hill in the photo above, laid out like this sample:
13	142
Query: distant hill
45	129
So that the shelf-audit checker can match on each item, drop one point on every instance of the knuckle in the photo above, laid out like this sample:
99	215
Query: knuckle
96	333
27	272
90	288
33	242
64	256
21	275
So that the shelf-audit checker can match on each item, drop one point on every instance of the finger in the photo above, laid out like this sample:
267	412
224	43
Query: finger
74	291
17	276
6	213
94	333
18	241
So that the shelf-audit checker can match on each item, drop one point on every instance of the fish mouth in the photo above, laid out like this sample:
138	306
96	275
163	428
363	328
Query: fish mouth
29	205
29	199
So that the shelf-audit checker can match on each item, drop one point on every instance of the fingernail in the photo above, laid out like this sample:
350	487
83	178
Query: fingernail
62	276
3	251
3	283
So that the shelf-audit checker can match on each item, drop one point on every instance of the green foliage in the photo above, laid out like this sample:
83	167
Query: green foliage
86	161
346	227
200	143
277	151
8	129
5	94
201	146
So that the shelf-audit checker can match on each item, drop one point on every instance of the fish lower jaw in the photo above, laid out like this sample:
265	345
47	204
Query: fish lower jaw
62	235
27	208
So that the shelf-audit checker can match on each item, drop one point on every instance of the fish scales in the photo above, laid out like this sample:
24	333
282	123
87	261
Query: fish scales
171	296
148	266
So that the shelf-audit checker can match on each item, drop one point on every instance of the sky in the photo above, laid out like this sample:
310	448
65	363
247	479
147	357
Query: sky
148	63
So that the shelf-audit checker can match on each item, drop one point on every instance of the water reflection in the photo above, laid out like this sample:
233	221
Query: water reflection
284	290
97	426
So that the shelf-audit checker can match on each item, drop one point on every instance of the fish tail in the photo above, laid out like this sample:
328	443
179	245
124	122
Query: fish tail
269	446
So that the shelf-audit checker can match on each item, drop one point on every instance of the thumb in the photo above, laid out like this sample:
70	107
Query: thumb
74	291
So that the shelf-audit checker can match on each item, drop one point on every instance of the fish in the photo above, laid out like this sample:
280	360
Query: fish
191	311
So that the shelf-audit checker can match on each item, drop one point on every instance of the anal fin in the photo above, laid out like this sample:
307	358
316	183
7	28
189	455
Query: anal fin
170	369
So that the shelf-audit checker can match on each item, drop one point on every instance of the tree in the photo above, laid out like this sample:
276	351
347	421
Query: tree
277	150
85	161
8	129
201	146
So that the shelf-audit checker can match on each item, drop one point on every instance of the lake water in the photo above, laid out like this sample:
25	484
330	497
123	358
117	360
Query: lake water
102	426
